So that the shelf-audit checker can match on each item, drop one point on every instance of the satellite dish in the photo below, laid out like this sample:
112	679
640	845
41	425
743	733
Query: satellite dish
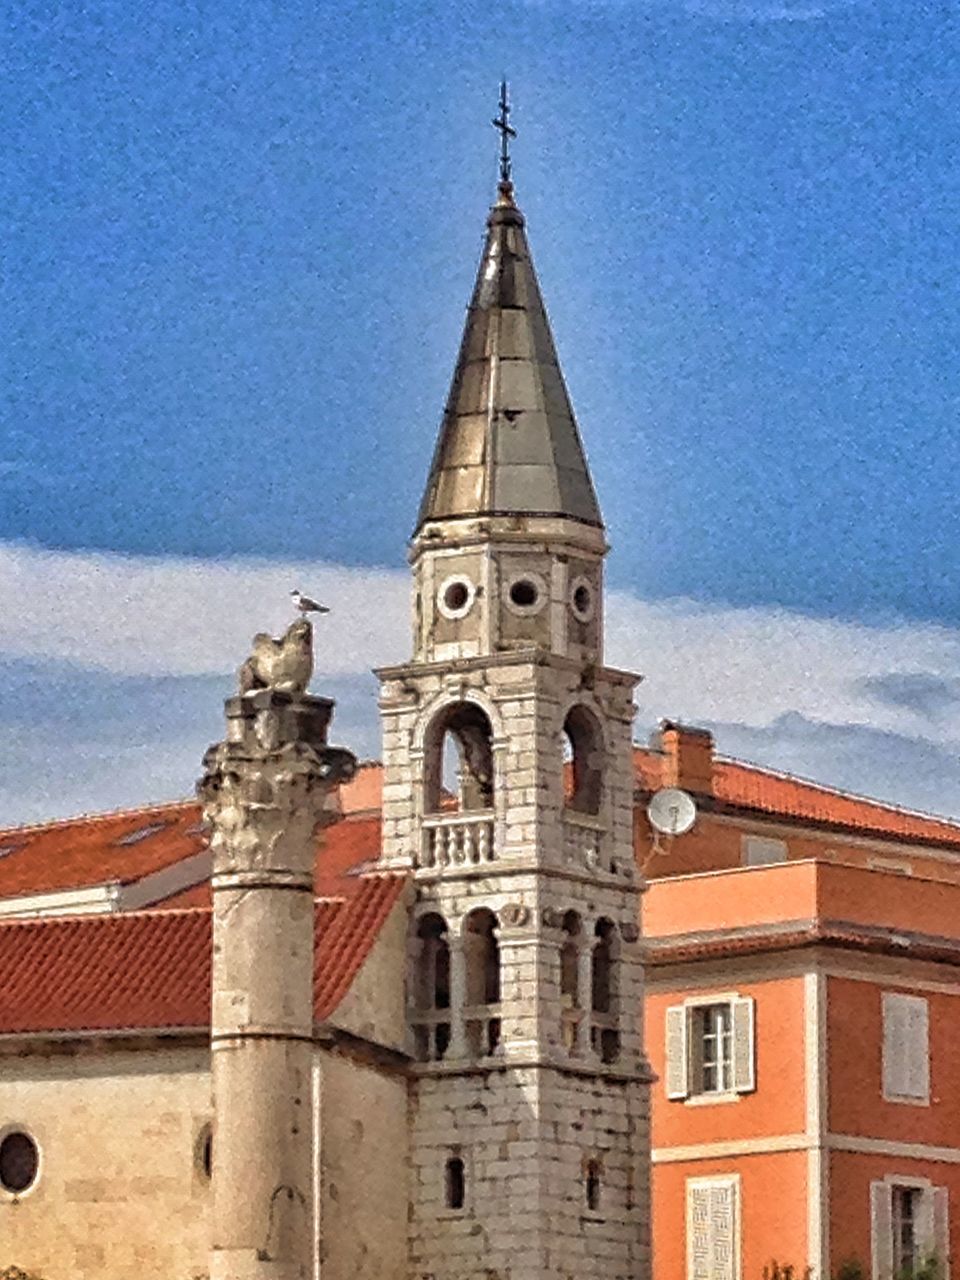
671	811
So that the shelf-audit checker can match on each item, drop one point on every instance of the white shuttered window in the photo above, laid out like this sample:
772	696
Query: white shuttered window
906	1048
713	1228
709	1048
908	1225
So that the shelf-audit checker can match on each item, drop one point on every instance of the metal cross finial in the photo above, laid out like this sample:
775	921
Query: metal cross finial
502	122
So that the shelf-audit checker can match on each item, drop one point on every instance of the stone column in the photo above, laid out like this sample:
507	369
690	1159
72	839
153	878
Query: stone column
264	791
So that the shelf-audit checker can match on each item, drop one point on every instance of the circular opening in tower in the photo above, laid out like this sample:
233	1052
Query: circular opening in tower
456	595
583	602
524	593
19	1162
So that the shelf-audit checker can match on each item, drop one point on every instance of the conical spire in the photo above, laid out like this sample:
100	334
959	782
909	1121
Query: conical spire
509	443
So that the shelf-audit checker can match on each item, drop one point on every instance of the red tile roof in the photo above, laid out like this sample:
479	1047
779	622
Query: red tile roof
780	795
151	970
123	847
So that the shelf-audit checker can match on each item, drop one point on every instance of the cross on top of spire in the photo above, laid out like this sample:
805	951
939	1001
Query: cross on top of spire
502	123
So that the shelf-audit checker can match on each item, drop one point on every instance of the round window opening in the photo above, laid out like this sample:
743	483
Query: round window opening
582	600
19	1162
456	596
524	593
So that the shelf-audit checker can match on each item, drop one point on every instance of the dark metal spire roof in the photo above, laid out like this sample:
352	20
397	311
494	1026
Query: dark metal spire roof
509	443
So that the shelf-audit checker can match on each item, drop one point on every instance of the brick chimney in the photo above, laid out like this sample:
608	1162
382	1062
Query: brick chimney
687	757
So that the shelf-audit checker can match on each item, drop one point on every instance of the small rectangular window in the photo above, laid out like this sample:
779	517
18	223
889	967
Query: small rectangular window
761	851
710	1048
906	1048
711	1037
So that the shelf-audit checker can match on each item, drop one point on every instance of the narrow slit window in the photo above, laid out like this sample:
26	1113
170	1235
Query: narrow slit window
455	1183
592	1185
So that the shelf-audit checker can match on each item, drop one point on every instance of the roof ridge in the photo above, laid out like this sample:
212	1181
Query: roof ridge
102	816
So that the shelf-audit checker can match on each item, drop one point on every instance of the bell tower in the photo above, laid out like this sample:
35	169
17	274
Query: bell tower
508	793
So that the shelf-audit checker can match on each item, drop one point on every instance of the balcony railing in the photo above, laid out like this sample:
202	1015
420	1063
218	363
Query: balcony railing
457	839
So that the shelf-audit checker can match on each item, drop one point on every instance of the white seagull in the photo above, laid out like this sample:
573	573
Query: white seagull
306	605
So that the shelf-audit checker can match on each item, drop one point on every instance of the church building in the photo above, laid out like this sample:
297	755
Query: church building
474	1079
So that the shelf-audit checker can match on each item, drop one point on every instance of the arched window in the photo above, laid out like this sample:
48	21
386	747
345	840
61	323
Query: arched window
570	1011
458	760
570	961
583	761
602	986
432	988
604	1032
591	1184
482	960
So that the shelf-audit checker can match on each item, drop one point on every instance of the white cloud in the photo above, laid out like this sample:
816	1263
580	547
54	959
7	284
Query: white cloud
875	708
136	615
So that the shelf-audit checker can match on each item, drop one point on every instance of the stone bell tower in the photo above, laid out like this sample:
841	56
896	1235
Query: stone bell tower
508	792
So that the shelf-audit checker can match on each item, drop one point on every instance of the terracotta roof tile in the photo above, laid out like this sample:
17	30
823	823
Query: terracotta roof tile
151	970
781	795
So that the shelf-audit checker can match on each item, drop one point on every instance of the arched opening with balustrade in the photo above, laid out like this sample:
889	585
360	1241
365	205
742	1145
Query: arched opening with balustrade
431	988
482	981
458	787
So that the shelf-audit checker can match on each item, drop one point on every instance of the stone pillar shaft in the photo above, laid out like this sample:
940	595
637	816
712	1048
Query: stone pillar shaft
265	791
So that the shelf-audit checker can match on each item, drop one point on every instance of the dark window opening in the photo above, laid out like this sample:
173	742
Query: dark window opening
431	992
433	985
582	599
602	977
583	761
570	961
458	774
905	1205
592	1185
482	954
456	596
455	1183
524	593
19	1162
609	1044
206	1151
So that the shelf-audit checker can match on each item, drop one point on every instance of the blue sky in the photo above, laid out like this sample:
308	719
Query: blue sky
239	240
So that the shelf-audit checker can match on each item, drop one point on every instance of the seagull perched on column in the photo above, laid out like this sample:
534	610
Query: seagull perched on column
306	605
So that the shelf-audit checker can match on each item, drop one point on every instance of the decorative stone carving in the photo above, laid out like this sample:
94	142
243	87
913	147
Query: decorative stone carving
551	918
515	914
629	931
285	664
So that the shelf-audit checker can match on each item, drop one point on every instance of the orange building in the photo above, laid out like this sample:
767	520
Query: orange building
803	1015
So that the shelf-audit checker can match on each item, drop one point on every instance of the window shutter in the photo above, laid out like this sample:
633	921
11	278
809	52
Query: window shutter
713	1235
941	1229
881	1230
676	1052
744	1072
906	1047
895	1041
919	1048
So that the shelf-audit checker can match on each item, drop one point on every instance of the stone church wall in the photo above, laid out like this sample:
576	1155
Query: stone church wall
121	1190
363	1171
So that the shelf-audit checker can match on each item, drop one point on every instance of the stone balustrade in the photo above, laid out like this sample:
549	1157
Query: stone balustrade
457	839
